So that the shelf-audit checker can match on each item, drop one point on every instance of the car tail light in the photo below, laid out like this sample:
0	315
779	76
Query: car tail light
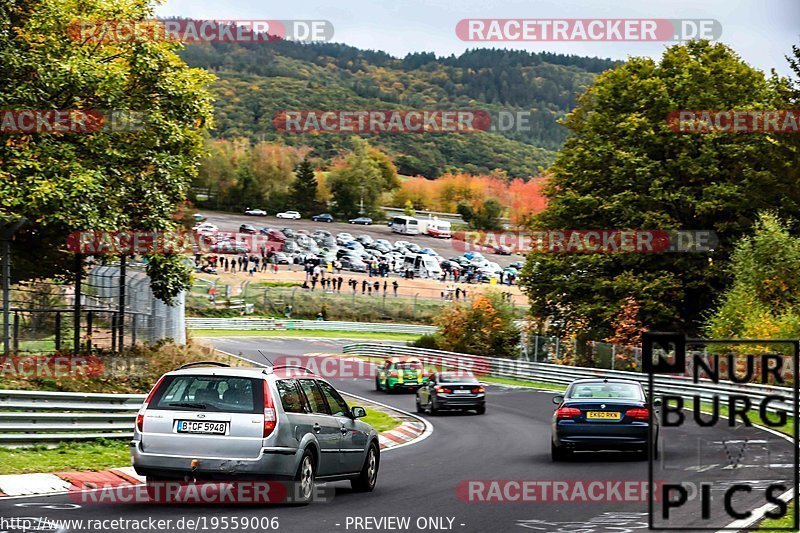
270	417
143	408
567	412
640	413
478	390
444	390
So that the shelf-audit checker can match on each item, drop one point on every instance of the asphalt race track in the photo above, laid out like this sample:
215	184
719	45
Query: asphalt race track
510	442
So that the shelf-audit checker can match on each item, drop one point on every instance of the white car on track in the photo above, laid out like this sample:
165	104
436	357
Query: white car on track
294	215
256	213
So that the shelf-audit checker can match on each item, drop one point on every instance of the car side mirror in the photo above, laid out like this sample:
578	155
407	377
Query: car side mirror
557	399
358	412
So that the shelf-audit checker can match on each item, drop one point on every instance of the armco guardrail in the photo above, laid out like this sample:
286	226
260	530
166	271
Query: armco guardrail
33	416
280	324
563	375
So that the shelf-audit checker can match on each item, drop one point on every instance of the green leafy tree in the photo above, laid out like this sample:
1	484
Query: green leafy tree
486	216
408	209
108	180
624	168
304	188
764	299
484	326
361	179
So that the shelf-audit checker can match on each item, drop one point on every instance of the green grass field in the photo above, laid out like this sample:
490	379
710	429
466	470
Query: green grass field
787	521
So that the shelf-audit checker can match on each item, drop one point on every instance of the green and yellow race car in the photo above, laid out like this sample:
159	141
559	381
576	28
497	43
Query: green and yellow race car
399	373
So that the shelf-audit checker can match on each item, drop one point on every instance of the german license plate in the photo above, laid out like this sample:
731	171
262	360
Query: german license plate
210	428
462	392
603	415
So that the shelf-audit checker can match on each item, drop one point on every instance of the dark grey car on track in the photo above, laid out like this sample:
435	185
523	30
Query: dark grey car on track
601	414
451	391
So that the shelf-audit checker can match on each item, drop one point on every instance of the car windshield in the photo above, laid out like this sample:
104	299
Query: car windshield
409	365
626	391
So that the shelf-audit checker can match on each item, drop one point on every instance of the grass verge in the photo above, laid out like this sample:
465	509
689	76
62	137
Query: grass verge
784	522
311	333
523	383
103	454
381	421
95	455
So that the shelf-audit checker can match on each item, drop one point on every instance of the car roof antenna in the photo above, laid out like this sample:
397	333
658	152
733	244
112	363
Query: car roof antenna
265	357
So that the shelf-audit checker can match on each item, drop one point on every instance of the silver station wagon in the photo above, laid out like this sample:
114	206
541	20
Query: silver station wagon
211	421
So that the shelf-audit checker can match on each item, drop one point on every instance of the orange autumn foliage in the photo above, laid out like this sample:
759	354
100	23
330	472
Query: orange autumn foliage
520	198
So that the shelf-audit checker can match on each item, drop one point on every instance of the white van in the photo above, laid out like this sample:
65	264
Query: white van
423	265
405	225
435	228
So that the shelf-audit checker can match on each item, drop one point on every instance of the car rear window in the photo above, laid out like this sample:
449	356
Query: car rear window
625	391
229	394
457	377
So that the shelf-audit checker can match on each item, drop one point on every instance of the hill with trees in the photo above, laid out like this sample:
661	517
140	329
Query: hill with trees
257	80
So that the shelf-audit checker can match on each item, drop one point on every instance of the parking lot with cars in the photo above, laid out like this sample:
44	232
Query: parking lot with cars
357	247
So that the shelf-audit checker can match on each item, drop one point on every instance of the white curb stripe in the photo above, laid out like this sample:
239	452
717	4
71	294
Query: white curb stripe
25	484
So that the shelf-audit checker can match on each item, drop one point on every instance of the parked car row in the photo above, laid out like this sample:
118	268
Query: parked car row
295	215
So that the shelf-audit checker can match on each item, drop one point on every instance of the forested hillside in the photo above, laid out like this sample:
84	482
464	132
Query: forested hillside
257	80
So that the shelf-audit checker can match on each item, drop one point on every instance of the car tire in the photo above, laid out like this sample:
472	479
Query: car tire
419	406
366	480
557	453
433	409
377	384
481	410
304	479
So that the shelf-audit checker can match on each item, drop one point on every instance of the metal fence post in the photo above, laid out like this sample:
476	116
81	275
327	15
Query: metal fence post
113	332
613	355
133	330
16	332
89	320
8	231
536	348
76	326
58	331
123	260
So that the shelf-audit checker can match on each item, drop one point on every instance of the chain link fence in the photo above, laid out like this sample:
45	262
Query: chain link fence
97	312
